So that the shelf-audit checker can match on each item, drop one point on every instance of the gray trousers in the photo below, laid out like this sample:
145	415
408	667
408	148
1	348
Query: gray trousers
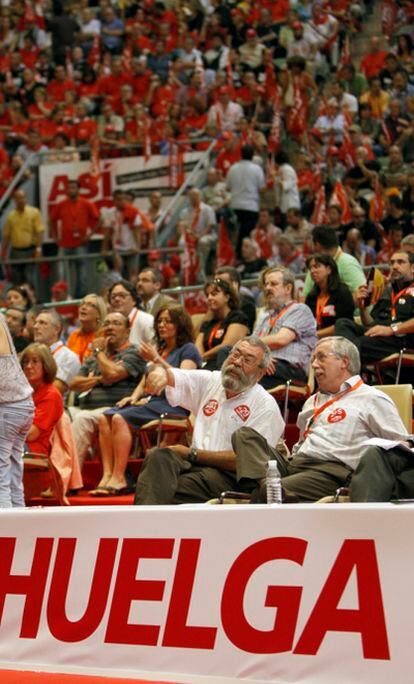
382	475
305	478
166	478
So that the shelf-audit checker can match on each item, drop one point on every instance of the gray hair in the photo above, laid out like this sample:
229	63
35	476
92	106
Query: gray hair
342	348
256	341
55	316
288	276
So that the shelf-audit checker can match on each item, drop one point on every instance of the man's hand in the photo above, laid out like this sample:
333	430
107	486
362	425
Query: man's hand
361	294
181	450
157	380
379	331
271	368
99	343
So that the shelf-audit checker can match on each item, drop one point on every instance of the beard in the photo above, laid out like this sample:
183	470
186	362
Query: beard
234	379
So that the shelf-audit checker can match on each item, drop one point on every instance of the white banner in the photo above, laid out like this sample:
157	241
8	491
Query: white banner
128	173
314	594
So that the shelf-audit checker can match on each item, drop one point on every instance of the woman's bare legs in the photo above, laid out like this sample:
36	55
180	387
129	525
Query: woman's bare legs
121	444
106	449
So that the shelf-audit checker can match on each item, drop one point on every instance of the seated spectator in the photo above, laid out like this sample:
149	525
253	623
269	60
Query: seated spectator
395	215
174	348
289	255
214	193
377	98
251	262
390	325
17	296
356	247
335	221
373	61
395	170
297	227
149	290
16	320
330	299
40	369
390	244
123	298
107	376
265	234
247	301
47	329
325	241
92	312
367	229
225	113
334	424
181	474
225	323
286	326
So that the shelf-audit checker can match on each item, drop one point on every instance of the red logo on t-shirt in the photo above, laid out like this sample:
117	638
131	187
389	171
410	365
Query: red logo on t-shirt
243	411
337	415
219	334
210	408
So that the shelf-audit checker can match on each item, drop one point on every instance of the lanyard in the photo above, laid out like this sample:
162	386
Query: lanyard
321	302
317	411
394	298
273	320
213	334
56	349
133	317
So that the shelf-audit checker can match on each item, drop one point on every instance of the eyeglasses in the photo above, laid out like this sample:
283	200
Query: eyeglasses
86	302
247	360
320	357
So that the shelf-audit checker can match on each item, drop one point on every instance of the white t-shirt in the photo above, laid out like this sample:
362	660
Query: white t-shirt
216	417
142	327
123	238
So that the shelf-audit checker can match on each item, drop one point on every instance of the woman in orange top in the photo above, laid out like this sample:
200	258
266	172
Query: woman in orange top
92	311
330	299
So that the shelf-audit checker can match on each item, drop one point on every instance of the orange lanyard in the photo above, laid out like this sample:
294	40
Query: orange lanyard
317	411
133	317
321	302
394	298
212	334
273	320
56	349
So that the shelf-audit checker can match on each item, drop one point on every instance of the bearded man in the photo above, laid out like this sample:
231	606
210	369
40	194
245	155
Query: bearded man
221	401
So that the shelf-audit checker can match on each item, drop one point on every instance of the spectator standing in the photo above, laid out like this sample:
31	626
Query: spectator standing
112	29
202	223
245	181
72	222
22	234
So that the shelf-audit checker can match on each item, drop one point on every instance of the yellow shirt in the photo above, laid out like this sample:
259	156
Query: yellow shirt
379	103
22	227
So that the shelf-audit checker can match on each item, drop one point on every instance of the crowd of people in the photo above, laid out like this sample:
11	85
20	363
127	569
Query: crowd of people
311	181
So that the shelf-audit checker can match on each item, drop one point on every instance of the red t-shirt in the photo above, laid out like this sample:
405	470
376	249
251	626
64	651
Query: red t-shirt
74	217
48	411
371	65
226	159
84	130
56	89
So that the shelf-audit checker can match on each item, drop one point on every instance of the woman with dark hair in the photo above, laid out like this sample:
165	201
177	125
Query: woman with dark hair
174	347
18	296
330	298
405	52
224	324
123	297
39	367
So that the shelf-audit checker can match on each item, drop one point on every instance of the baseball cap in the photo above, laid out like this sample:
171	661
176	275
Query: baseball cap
251	33
60	286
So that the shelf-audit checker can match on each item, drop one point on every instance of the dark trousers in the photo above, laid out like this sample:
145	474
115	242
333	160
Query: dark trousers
306	479
247	221
284	371
382	475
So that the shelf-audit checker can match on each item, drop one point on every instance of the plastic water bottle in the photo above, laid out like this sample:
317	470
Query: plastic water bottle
273	484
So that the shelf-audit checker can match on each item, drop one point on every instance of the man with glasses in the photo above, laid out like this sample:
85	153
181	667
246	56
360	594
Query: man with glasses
222	401
334	425
123	298
389	326
111	373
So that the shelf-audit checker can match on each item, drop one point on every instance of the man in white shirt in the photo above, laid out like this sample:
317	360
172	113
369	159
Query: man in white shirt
225	114
334	425
221	402
246	181
47	329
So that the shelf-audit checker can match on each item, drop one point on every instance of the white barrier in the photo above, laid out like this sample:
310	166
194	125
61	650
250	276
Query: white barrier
316	593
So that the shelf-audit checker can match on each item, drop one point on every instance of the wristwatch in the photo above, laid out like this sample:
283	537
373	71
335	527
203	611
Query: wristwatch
193	457
97	350
394	327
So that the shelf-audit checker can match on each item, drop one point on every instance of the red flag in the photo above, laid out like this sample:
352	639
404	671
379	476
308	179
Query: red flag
340	197
176	165
377	206
389	11
260	237
275	133
225	249
319	215
189	259
147	140
95	162
346	52
347	150
94	56
296	115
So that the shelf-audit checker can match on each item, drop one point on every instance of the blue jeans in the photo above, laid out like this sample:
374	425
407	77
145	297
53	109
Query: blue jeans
76	271
15	421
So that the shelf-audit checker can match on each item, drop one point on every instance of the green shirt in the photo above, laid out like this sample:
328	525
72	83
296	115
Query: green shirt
350	272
